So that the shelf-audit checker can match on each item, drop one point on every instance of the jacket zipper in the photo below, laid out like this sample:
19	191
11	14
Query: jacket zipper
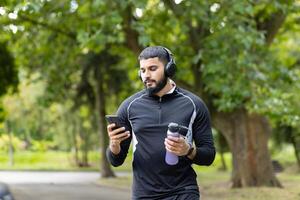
159	110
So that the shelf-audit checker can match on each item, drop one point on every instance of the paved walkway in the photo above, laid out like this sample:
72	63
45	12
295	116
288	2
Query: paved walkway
60	186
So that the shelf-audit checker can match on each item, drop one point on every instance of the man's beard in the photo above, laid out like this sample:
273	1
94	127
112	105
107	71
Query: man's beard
160	85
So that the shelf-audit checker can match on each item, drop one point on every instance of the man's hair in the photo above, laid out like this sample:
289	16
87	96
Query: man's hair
155	51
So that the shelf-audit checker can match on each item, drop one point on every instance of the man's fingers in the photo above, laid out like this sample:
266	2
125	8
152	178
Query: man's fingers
119	129
175	147
112	132
120	136
176	139
171	145
173	142
173	150
126	136
110	127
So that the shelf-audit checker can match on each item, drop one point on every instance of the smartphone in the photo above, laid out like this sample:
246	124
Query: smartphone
113	119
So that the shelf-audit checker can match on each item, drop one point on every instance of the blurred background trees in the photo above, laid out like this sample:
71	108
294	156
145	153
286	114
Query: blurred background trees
77	60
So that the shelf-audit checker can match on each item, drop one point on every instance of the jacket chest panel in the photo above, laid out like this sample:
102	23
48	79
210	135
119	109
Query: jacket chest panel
154	117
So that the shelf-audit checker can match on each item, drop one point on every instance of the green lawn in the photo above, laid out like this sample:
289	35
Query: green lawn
50	160
59	160
215	185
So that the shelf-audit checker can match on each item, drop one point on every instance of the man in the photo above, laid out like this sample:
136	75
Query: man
145	117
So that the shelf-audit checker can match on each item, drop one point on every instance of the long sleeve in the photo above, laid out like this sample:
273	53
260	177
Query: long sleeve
202	135
117	160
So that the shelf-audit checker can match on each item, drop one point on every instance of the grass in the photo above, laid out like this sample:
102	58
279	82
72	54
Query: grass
215	185
53	161
60	160
49	160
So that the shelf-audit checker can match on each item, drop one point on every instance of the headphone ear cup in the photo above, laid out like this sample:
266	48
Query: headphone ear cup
170	69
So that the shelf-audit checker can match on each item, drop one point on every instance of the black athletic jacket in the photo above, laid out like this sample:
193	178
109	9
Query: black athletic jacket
147	118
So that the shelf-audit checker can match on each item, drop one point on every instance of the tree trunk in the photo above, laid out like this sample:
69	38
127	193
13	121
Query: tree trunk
74	141
105	167
296	144
222	149
247	136
11	147
84	148
224	166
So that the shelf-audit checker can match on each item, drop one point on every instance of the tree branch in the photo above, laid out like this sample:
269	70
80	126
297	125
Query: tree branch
271	25
131	35
69	34
197	34
176	9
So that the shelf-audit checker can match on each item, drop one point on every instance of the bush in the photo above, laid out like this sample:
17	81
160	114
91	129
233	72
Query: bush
42	145
16	142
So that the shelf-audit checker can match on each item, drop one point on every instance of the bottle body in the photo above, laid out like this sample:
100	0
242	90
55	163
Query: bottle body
171	158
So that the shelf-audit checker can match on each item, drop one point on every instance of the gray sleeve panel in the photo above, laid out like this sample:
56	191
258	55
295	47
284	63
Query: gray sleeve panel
201	132
202	135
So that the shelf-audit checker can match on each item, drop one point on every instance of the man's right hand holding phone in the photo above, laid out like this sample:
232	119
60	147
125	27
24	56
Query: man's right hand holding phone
116	136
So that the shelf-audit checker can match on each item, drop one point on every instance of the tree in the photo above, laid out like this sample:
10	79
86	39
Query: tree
278	99
69	58
224	51
249	30
226	81
8	73
8	79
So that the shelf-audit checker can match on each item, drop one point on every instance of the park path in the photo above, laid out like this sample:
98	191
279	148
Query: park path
28	185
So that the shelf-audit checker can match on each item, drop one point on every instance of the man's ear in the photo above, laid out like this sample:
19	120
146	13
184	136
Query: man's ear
140	75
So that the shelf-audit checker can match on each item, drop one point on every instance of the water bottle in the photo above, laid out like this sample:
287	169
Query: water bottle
173	130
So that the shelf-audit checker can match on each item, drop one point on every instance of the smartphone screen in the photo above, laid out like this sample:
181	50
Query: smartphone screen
113	119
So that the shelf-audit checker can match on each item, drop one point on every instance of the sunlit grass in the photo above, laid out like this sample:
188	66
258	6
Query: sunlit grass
285	155
215	185
49	160
53	160
60	160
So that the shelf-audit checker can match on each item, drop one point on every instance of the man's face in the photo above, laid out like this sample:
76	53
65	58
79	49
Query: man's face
152	74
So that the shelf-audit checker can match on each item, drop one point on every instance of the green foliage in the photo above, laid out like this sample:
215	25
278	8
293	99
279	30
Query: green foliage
228	70
41	146
41	127
229	75
284	153
276	89
8	71
24	111
2	114
18	145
